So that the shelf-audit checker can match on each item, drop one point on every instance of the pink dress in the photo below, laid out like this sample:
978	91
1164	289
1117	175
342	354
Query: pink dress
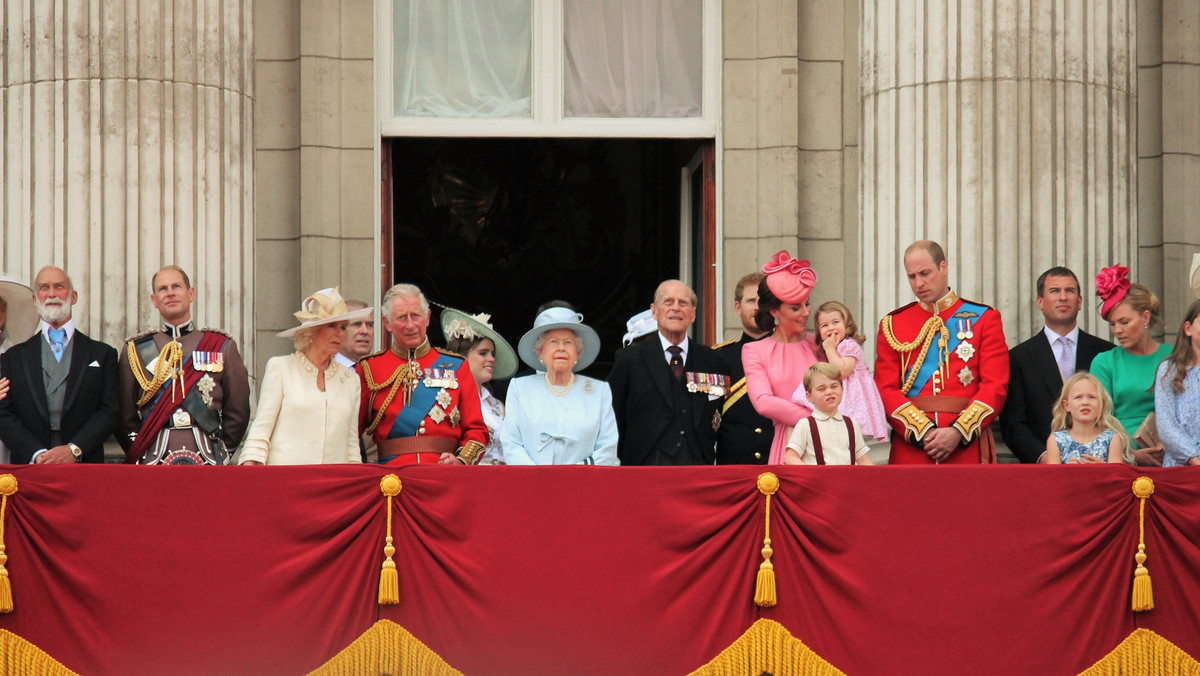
773	370
860	398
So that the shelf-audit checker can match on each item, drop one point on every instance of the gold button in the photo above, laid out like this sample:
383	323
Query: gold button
758	456
421	431
758	430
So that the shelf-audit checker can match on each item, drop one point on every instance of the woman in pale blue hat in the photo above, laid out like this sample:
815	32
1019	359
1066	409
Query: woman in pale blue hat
490	359
556	416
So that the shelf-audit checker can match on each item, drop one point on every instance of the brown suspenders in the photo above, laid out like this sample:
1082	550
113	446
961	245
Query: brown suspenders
816	439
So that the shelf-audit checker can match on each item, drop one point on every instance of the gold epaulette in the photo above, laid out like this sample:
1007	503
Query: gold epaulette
970	420
139	336
725	344
374	354
449	353
223	333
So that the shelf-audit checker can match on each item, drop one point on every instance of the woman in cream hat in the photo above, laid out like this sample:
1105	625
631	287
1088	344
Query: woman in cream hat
308	403
555	416
490	358
18	321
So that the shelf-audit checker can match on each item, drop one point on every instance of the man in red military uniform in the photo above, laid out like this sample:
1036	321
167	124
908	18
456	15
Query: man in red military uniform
419	404
941	366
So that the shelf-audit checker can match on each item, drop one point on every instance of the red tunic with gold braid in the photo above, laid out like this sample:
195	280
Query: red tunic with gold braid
967	389
438	383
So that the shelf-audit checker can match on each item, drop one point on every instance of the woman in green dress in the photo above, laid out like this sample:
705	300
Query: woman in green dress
1127	371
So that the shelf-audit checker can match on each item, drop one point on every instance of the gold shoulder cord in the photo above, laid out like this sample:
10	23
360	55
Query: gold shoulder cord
398	376
933	327
168	362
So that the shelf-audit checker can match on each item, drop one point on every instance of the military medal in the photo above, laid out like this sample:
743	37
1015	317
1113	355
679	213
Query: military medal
443	398
206	386
455	416
965	376
437	414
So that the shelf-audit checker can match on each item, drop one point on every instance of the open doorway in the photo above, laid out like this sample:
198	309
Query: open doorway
502	225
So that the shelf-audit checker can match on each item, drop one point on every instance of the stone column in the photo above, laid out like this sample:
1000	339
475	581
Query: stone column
127	137
1006	131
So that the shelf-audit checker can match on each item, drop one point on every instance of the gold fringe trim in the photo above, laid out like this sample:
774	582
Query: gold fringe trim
766	647
8	486
764	584
18	656
386	648
389	580
1143	591
1144	652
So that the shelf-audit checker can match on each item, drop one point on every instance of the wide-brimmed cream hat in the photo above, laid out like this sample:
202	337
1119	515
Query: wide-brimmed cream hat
559	318
458	324
324	307
1194	275
22	314
641	324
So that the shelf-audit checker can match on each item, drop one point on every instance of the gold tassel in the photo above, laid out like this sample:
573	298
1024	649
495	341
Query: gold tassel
1143	592
764	586
8	486
389	581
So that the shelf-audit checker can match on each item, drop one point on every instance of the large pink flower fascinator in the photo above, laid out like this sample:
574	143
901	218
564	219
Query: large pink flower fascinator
789	279
1111	285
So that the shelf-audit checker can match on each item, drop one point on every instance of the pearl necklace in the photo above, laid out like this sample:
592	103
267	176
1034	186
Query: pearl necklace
560	390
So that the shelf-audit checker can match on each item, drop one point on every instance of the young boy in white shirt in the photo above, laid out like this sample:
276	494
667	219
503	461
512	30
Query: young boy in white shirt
826	437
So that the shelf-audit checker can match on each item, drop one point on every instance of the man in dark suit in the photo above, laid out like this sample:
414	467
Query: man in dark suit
667	390
62	399
745	435
1039	366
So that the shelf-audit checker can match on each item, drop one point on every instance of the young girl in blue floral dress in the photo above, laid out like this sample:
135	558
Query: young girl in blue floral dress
1085	430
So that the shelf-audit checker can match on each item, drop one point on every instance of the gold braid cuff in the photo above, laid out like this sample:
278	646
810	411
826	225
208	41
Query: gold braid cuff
471	452
165	368
916	423
969	421
933	327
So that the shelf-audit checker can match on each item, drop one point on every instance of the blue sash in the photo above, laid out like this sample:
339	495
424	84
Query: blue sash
408	420
932	358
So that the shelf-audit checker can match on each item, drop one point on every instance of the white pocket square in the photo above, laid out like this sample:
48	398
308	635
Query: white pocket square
95	363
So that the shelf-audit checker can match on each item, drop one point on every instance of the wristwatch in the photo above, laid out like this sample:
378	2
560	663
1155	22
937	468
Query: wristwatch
77	451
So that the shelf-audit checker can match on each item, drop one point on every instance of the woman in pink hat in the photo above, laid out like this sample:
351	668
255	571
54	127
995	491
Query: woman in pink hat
1127	371
775	366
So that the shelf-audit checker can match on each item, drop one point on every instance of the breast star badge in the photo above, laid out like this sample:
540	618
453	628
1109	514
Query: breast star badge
965	376
965	351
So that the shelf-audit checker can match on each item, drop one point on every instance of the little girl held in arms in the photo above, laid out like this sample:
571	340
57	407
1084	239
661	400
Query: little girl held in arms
1086	430
841	346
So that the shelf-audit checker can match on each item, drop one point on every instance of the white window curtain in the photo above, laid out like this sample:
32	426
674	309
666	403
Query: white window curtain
462	58
632	58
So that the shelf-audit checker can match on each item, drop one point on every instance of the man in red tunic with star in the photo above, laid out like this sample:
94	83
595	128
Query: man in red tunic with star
941	366
419	404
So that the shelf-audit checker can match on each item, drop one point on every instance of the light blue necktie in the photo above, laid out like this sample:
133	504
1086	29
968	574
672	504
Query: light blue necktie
57	338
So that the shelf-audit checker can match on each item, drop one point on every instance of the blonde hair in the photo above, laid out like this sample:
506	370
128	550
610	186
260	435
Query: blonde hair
303	339
821	368
1104	417
1141	299
847	319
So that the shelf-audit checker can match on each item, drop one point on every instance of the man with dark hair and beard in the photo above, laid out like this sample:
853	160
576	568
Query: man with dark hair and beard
62	399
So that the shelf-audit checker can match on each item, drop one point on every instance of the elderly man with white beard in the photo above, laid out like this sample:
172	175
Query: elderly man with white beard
62	399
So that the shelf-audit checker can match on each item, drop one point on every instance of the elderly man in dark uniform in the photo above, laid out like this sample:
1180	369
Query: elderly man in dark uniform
667	390
185	393
419	404
62	401
745	435
941	367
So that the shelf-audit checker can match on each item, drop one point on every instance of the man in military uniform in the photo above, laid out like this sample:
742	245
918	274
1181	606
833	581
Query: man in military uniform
745	435
941	367
185	393
419	404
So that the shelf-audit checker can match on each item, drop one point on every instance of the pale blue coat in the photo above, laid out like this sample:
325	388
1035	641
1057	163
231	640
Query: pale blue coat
542	429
